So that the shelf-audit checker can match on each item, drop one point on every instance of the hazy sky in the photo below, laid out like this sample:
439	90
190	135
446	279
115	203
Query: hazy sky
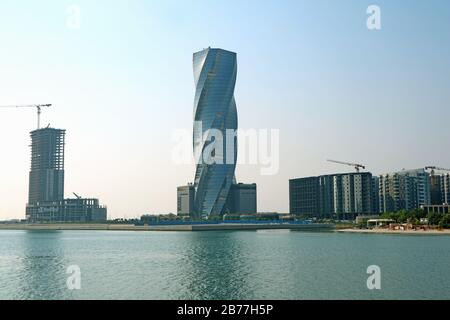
122	84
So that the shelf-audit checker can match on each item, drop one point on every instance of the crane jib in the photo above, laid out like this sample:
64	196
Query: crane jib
37	106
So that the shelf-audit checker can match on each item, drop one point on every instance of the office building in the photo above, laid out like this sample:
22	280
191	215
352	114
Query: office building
341	196
214	112
185	200
242	199
304	197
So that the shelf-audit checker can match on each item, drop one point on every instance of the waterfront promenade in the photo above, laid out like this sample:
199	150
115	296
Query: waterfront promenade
172	227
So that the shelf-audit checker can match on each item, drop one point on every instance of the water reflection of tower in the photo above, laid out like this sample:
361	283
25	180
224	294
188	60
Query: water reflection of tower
216	267
42	267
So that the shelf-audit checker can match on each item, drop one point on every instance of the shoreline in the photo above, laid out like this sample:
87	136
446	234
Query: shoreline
191	227
444	232
214	227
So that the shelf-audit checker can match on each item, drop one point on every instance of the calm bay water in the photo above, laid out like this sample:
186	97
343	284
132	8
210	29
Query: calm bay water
222	265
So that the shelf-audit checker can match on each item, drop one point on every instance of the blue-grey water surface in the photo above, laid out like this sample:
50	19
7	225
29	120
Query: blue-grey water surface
222	265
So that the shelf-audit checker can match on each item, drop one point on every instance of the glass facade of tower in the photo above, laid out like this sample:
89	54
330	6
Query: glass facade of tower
215	116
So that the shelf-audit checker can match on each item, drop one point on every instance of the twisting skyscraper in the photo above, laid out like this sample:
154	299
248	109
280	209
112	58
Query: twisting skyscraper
215	117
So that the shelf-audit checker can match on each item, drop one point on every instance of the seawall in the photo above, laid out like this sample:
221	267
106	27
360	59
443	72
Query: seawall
191	227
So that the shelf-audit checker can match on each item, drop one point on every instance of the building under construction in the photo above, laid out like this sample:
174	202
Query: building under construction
46	201
47	165
339	196
67	210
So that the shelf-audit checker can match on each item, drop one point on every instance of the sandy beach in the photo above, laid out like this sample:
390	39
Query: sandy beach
445	232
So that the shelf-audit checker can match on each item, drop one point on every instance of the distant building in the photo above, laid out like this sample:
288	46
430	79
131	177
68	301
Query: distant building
67	211
440	189
353	194
149	219
376	195
305	197
242	199
339	195
446	188
422	181
397	192
404	190
46	201
436	189
440	209
185	200
46	179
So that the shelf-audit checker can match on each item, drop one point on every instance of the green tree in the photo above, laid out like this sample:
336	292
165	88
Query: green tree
445	221
433	218
403	216
386	215
420	214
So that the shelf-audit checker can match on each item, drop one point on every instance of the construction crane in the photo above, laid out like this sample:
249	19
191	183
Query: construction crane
77	196
37	106
355	165
434	168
